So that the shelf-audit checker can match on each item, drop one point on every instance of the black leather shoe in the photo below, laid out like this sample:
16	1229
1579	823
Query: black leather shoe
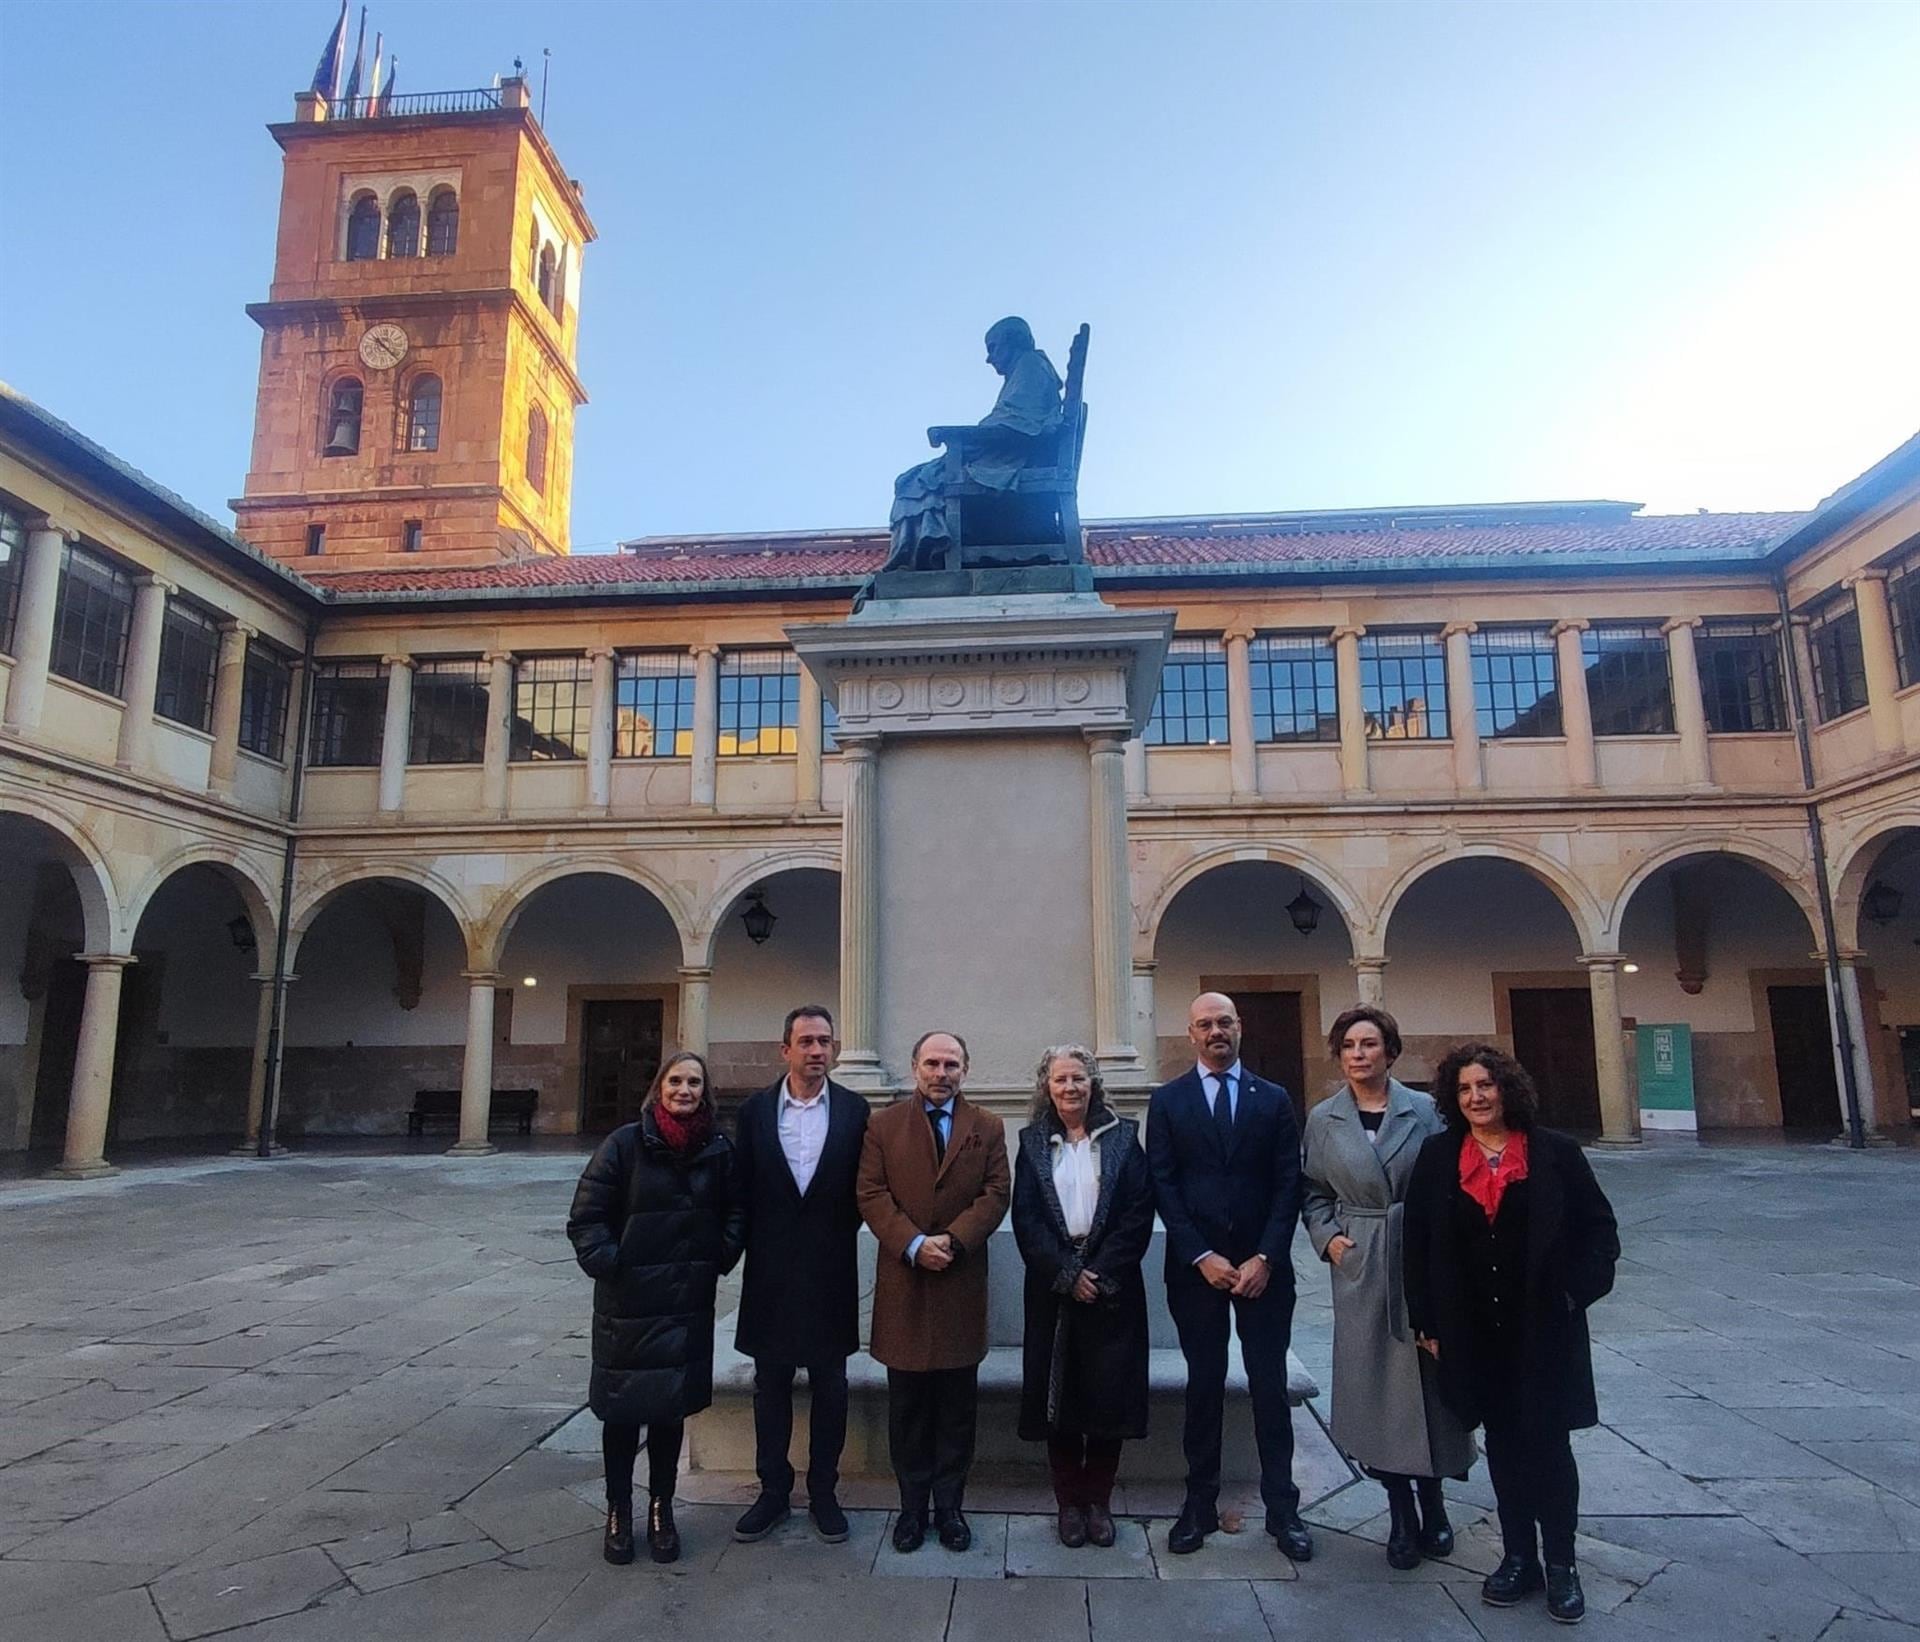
1099	1526
1071	1525
1293	1538
1403	1529
953	1530
829	1521
909	1532
1190	1532
1566	1602
761	1518
1436	1532
1517	1576
663	1539
618	1545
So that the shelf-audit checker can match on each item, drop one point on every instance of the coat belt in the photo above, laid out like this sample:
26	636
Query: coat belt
1394	1215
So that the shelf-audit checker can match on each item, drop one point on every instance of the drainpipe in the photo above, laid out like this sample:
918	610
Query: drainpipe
270	1111
1817	842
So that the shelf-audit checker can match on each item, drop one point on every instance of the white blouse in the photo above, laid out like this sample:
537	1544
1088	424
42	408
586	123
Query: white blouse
1076	1178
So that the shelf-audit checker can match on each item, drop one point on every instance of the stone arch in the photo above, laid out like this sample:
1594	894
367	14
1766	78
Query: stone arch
700	942
1579	902
1851	872
256	895
106	930
1346	902
311	902
490	937
1782	868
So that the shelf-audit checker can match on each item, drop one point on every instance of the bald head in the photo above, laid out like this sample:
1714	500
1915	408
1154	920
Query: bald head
939	1066
1213	1028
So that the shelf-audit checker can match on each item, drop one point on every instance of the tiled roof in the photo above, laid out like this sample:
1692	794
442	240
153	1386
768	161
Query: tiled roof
1591	534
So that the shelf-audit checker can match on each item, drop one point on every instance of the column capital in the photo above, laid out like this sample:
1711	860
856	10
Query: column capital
857	747
491	657
1368	963
1873	573
1572	624
1107	739
600	652
52	524
482	977
1600	960
106	960
1350	630
1241	631
265	978
695	972
234	625
698	650
1453	627
1675	623
1145	966
154	579
397	659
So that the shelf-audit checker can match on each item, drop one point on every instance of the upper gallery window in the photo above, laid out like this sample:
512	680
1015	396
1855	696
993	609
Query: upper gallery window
1629	684
343	418
13	553
423	414
1839	669
1516	682
1903	603
266	691
1295	696
189	656
443	223
552	707
759	702
449	712
653	705
1741	679
1403	686
1191	708
348	720
92	615
363	229
403	226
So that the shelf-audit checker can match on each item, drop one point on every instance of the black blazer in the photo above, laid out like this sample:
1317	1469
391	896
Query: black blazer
800	1297
1573	1244
1238	1201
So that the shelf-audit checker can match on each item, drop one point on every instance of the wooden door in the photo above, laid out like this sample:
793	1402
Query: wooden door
1272	1047
618	1059
1803	1058
1553	1040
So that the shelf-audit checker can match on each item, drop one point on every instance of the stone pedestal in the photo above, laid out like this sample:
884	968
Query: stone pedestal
985	885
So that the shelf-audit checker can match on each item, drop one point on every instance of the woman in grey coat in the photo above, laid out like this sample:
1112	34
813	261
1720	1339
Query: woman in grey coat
1357	1157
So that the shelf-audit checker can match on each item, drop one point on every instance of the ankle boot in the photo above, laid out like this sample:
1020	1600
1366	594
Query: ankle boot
1436	1532
618	1545
663	1539
1566	1602
1403	1527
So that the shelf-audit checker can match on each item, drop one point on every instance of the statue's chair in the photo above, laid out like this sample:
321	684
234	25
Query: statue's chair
1038	520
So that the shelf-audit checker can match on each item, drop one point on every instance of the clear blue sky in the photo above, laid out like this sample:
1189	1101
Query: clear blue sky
1332	255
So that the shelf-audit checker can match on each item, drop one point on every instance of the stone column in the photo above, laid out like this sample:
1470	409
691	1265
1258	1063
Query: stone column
696	993
1800	659
499	743
808	741
1370	979
141	677
1146	1029
1877	656
1463	716
229	686
1619	1121
706	723
1242	752
92	1098
396	733
1689	706
1863	1079
257	1071
1353	713
1112	906
1136	759
1576	712
859	1066
600	731
476	1068
33	624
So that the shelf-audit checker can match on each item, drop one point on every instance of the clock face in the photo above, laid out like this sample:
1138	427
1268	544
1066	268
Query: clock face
383	346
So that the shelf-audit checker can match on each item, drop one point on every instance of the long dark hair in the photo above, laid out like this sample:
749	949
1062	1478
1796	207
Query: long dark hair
1519	1100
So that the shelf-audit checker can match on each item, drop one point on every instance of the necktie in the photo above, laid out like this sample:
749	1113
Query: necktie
937	1116
1223	1107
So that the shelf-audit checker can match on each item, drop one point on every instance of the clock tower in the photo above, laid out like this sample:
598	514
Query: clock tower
417	381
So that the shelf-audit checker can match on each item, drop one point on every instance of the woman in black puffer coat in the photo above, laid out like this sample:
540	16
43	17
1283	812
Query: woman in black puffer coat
655	1224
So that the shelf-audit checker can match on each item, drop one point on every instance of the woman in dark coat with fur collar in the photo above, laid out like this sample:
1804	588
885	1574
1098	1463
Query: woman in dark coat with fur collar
655	1224
1083	1216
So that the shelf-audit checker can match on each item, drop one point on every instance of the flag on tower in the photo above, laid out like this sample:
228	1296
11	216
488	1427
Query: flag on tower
386	91
373	85
357	74
326	76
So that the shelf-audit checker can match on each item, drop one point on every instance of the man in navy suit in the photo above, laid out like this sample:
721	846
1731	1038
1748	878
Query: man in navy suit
1225	1154
795	1158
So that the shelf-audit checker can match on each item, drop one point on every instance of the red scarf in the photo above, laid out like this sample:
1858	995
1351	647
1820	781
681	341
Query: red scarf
1481	1181
683	1135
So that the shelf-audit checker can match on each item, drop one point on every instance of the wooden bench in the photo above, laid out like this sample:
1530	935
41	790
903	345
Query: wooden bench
443	1106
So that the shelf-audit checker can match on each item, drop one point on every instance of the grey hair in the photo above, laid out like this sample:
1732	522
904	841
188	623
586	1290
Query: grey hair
1042	1100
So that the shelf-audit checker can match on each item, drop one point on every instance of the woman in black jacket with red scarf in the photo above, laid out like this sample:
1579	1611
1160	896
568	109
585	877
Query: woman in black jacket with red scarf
1508	1240
655	1223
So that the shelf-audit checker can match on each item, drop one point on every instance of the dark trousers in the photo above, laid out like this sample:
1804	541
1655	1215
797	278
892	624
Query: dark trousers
1083	1469
1535	1484
930	1426
773	1425
1200	1313
620	1446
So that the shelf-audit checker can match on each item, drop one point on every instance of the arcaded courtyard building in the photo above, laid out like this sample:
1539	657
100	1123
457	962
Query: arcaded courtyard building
387	793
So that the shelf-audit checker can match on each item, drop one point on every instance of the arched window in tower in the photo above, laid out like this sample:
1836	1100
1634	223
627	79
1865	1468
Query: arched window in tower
559	303
443	223
363	229
545	282
343	419
403	226
537	449
423	414
533	253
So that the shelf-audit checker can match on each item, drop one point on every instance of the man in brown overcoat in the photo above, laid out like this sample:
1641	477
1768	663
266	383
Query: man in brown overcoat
934	1182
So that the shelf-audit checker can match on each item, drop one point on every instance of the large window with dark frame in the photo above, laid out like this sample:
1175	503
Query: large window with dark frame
1903	603
403	226
1629	684
423	414
1191	708
653	705
91	619
449	712
443	223
363	229
552	708
13	559
1403	686
537	449
1516	682
759	702
349	713
1295	695
266	694
1839	670
189	658
1742	680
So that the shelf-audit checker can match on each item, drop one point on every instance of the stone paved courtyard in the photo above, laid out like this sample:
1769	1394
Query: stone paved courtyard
327	1397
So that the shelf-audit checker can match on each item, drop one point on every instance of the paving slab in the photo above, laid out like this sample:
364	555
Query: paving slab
1826	1514
1407	1613
986	1558
1889	1581
123	1616
29	1587
1892	1464
1224	1610
205	1600
1034	1551
794	1551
